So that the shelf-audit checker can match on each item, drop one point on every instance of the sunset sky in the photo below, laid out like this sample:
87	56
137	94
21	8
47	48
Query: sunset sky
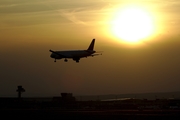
149	63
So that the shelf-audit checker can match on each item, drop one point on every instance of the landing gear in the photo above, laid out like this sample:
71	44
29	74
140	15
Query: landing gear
76	59
54	60
65	60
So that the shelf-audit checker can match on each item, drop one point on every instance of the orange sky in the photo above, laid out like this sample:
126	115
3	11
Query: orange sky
28	29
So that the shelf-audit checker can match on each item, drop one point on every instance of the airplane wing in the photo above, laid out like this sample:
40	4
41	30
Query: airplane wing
63	56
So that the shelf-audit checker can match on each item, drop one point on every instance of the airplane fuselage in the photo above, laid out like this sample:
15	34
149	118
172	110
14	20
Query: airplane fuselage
76	54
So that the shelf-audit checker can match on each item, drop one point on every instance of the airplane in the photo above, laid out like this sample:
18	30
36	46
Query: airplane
76	55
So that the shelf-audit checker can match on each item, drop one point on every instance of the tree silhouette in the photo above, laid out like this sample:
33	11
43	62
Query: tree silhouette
20	90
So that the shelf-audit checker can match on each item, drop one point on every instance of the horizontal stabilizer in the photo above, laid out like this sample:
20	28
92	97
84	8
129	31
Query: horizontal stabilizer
96	54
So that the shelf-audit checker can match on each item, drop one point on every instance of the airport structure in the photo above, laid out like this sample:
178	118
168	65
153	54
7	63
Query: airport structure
67	105
68	101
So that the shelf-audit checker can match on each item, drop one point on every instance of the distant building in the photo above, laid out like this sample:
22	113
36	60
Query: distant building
65	97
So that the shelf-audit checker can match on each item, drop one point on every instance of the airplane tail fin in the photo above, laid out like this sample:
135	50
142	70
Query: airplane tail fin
91	46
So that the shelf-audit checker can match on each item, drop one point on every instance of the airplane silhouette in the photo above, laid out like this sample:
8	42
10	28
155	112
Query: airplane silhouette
76	55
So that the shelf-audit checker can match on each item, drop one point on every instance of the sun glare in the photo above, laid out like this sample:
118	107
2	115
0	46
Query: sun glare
132	24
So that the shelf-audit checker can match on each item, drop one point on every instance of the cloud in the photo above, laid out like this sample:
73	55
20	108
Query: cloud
85	14
73	16
38	12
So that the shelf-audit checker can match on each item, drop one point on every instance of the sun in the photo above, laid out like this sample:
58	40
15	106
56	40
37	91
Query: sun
132	24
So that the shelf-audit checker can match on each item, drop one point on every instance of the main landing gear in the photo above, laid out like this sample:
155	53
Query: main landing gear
76	59
65	60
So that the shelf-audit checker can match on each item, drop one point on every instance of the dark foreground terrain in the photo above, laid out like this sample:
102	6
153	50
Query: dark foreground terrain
67	107
48	114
